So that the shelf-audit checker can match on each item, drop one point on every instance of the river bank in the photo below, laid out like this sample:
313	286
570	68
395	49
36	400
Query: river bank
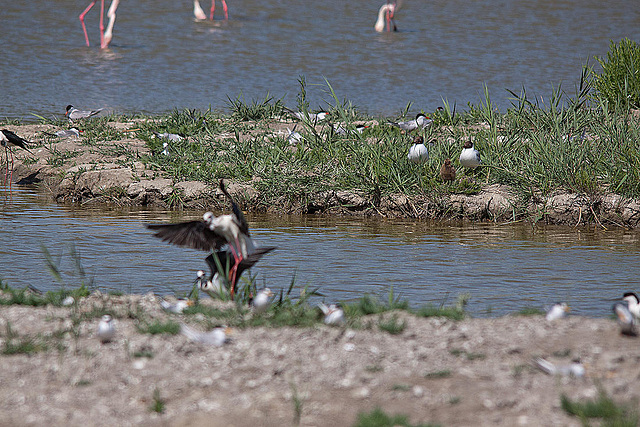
433	370
117	160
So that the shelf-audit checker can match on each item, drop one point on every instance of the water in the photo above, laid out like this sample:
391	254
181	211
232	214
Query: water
504	268
161	59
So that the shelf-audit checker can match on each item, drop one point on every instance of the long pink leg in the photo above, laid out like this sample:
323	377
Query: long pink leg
234	269
101	23
213	8
224	7
86	37
6	166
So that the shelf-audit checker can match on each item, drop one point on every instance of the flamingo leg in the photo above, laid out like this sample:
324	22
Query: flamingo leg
86	37
111	14
6	166
101	23
213	8
224	7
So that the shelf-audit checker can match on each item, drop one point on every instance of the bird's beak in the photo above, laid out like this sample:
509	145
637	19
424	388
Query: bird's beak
190	303
567	309
228	331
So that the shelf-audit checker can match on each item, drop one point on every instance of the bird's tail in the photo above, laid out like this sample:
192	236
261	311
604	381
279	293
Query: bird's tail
545	366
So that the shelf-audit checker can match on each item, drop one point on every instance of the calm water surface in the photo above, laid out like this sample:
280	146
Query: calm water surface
504	268
161	59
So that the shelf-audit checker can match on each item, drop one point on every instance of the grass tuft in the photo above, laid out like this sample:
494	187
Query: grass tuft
611	413
379	418
158	327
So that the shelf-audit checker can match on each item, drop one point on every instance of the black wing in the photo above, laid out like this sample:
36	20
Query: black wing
190	234
15	139
227	261
242	222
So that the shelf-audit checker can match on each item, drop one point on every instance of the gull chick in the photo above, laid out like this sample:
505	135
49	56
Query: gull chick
106	329
333	315
575	369
215	287
261	302
216	337
626	320
178	307
447	172
470	157
557	311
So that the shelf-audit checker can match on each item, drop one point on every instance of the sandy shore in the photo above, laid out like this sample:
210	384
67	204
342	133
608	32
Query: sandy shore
72	171
453	373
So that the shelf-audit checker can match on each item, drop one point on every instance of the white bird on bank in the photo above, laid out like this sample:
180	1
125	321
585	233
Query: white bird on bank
574	369
215	287
216	337
421	121
75	114
418	152
106	329
177	307
294	137
626	320
557	311
633	303
333	315
261	301
165	148
342	131
171	137
470	157
67	133
385	15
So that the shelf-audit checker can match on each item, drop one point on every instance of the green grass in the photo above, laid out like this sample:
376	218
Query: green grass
157	327
159	403
604	408
25	296
445	373
530	311
391	324
15	344
379	418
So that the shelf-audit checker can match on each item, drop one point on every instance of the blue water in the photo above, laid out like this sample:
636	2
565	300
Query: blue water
160	59
504	268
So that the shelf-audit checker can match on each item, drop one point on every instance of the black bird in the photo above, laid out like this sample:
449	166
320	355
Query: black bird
8	140
212	234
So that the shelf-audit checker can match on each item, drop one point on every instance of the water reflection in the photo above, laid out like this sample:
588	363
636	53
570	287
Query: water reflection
504	268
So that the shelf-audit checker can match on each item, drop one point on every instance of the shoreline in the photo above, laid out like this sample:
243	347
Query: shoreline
119	171
473	371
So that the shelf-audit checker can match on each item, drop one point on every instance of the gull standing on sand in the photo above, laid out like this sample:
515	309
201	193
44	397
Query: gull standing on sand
633	303
212	233
75	114
105	36
418	152
420	122
470	157
261	302
574	369
557	311
178	307
216	337
333	315
626	320
106	329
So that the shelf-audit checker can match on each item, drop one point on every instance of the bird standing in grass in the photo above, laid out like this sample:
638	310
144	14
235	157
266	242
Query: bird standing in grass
418	152
261	302
420	122
9	140
470	157
447	171
626	320
75	114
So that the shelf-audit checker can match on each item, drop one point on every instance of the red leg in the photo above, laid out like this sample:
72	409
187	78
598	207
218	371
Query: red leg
388	17
86	37
224	7
213	8
11	176
6	166
101	23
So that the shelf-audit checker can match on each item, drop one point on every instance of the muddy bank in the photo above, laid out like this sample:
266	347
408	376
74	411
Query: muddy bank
109	173
455	373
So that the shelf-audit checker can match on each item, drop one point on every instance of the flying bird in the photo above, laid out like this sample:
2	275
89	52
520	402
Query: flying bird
447	171
75	114
105	36
418	152
470	157
212	234
9	140
420	122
